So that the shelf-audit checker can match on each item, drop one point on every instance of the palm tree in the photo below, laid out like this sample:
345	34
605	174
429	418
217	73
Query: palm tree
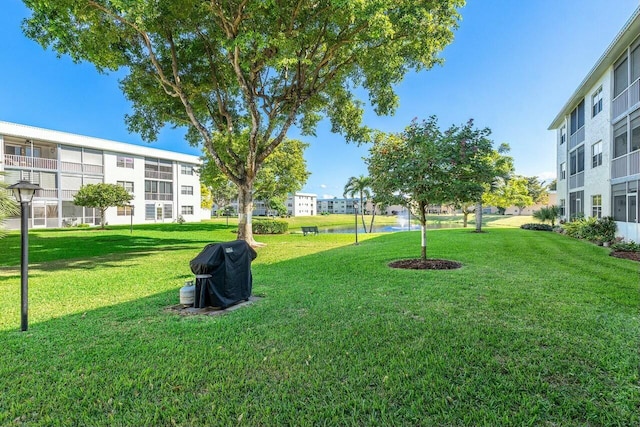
361	186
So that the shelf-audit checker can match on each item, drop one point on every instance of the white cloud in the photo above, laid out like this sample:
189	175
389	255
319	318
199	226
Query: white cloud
327	196
547	176
323	186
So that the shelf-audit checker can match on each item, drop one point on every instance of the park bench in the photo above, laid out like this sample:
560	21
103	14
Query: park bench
312	229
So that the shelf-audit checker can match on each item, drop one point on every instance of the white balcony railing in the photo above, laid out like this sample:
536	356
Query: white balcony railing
158	196
634	163
47	193
576	138
626	165
81	168
30	162
158	175
576	180
626	100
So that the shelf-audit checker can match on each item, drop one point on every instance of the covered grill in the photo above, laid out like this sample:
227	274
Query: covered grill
223	274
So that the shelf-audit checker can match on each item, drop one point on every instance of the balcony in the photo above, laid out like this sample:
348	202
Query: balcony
626	100
158	196
626	165
81	168
576	138
158	175
51	164
576	180
30	162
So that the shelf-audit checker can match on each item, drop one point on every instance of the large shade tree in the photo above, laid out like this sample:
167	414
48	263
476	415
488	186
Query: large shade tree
425	166
284	172
238	74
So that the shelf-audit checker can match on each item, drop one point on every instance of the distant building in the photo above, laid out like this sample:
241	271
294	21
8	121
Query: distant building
336	206
302	204
598	138
164	184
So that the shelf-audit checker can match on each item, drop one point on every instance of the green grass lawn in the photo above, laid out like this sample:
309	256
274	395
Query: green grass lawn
535	329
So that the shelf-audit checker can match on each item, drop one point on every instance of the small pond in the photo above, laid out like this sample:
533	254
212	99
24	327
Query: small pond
385	228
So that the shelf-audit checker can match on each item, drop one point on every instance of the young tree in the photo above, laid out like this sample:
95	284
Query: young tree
424	166
511	192
240	73
362	187
206	198
500	169
102	196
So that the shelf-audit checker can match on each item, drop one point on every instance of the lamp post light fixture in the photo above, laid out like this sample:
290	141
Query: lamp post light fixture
23	191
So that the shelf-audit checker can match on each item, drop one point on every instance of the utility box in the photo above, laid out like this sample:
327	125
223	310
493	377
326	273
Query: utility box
223	274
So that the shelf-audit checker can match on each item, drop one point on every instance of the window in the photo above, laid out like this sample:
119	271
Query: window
596	206
186	210
186	190
124	162
620	78
577	118
186	170
149	211
562	206
125	210
596	102
168	211
575	204
563	170
635	132
128	185
596	154
576	160
563	135
635	64
158	190
620	139
625	201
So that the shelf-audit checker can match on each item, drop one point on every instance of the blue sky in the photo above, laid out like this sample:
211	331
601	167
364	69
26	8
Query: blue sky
512	66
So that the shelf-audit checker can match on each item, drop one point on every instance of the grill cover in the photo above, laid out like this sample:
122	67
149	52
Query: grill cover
223	274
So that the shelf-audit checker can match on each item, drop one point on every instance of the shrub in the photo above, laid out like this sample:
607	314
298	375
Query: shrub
592	229
269	226
626	246
537	227
547	213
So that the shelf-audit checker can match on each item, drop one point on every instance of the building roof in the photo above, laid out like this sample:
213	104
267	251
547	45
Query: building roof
628	34
30	132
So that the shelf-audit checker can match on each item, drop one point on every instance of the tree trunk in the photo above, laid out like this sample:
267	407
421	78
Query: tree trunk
478	217
102	212
364	225
245	214
423	231
373	216
465	218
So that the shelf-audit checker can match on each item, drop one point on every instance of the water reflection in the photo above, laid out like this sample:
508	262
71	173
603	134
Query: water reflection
386	228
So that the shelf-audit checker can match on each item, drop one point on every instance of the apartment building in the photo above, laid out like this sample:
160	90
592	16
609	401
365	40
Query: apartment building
302	204
164	184
598	138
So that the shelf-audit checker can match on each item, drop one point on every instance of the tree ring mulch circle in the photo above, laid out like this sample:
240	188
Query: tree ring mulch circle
633	256
428	264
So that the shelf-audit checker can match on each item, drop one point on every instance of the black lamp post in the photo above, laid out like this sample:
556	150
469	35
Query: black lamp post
23	191
355	213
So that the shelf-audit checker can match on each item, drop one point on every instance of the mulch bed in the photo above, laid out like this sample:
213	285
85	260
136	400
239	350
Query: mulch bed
429	264
634	256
